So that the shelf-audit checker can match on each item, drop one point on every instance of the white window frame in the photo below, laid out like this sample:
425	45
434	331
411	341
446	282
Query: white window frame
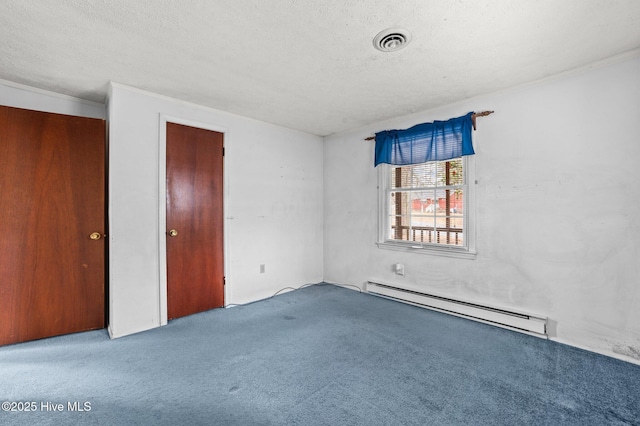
468	251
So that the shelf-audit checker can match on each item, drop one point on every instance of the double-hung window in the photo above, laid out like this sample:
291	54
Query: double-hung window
428	207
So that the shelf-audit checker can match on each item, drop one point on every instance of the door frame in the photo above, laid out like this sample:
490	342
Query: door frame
162	206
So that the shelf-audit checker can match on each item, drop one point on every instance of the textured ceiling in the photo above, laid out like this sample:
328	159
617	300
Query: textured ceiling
307	64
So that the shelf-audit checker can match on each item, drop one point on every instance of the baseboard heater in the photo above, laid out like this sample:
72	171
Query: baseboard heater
517	321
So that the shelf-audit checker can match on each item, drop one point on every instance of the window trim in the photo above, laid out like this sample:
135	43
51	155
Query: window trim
467	252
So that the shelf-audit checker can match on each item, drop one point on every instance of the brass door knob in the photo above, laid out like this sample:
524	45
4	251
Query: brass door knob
173	233
95	236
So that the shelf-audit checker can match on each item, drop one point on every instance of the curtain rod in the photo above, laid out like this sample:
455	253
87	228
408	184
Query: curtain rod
473	120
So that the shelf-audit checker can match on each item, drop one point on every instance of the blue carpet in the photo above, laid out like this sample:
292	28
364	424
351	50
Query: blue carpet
322	355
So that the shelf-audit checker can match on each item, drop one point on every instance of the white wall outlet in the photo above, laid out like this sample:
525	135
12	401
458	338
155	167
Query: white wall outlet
399	268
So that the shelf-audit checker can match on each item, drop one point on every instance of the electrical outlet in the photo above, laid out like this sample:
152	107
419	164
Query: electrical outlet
399	268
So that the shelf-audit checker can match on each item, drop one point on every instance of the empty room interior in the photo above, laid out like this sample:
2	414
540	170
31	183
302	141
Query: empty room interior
288	212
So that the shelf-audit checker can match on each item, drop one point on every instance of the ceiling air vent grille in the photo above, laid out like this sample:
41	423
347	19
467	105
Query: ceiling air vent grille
392	39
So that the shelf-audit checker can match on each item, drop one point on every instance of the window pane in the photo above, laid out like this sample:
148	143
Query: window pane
456	201
422	220
420	202
398	228
423	175
456	172
400	203
456	222
449	229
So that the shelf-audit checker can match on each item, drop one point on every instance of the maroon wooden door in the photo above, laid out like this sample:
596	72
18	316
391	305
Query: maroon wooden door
52	198
195	267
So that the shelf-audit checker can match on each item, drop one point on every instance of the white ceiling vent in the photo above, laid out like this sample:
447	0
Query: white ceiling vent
391	39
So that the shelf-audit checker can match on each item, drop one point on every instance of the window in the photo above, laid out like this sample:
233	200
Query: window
428	207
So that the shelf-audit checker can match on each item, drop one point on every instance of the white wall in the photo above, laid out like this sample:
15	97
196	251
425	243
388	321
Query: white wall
273	206
557	214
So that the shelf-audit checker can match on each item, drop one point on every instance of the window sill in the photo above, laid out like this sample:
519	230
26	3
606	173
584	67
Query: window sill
431	250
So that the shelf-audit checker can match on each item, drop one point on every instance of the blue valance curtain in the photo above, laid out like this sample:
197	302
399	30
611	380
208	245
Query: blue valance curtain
437	141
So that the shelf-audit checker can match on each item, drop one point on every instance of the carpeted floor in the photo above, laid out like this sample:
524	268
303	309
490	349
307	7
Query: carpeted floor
322	355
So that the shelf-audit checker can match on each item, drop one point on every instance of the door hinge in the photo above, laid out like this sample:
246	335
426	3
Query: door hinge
223	151
224	280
